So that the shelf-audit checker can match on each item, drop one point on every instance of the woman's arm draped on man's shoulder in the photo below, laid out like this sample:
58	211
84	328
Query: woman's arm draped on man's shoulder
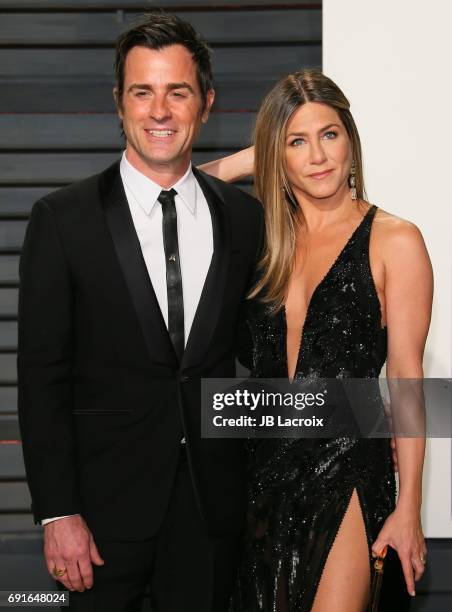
232	168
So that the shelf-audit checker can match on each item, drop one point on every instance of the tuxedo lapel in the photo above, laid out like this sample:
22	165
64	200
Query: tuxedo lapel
211	299
128	250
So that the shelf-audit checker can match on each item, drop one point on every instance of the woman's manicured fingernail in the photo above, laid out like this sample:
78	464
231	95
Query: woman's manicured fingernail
413	593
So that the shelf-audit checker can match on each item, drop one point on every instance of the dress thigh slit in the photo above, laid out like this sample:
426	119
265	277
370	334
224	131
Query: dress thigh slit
318	568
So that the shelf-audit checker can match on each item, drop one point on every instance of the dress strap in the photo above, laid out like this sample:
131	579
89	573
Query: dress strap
362	234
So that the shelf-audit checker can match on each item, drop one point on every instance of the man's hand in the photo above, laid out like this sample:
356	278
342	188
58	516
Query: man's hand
69	545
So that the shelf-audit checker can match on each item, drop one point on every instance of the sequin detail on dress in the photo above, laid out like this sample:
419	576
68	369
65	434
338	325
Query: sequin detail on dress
300	489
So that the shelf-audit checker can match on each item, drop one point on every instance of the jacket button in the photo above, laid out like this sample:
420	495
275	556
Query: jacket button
184	378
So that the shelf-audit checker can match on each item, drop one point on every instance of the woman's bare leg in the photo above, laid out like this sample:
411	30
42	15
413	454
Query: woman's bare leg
345	582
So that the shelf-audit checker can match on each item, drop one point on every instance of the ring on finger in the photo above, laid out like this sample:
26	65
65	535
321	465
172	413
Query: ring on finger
423	558
58	572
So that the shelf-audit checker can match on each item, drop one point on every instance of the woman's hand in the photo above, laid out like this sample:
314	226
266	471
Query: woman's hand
403	532
235	167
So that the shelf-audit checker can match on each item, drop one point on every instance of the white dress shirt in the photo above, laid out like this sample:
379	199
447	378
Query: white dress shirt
194	231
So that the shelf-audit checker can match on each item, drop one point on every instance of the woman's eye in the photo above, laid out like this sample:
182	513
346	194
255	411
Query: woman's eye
297	142
330	135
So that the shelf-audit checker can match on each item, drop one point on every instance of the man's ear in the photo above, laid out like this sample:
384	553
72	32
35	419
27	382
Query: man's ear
117	101
209	101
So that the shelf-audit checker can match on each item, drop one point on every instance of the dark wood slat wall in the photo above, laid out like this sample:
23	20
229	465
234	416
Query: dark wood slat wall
8	375
8	399
176	5
58	125
81	29
83	65
8	303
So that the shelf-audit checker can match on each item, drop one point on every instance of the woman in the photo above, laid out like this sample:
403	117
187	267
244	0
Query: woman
342	288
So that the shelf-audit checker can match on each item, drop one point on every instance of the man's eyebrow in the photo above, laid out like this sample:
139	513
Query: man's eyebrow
139	86
181	85
169	87
323	129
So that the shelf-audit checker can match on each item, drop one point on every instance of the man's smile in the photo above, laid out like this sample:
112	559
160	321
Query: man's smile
160	133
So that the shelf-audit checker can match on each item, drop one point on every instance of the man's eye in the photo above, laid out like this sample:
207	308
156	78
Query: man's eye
178	94
330	135
141	94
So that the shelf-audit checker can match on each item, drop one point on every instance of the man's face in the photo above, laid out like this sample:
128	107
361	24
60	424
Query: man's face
161	110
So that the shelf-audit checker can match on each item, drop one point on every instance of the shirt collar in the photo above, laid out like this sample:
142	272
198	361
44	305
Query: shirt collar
146	191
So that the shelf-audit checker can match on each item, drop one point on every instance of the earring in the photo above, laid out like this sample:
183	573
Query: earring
352	181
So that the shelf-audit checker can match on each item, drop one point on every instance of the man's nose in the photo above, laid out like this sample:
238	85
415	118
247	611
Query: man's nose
159	108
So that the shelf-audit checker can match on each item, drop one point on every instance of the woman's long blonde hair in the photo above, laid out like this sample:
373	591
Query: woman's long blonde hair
282	212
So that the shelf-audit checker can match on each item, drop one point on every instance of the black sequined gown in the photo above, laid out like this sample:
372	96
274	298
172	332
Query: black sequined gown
300	488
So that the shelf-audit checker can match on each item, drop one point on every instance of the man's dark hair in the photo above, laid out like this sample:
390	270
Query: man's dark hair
156	30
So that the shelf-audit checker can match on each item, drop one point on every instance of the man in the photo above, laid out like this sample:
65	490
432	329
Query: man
131	284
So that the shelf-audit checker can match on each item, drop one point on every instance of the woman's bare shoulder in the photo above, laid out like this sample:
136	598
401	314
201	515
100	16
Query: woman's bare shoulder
394	233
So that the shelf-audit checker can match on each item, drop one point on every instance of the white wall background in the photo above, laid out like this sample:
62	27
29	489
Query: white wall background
393	60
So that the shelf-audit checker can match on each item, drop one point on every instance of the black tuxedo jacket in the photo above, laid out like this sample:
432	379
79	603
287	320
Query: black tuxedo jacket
103	400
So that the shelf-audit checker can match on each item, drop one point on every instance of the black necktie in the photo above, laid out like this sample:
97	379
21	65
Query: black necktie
173	274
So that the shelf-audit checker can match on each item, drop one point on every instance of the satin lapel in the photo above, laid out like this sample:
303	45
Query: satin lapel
128	250
210	303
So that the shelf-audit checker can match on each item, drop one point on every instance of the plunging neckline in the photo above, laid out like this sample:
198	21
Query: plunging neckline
314	293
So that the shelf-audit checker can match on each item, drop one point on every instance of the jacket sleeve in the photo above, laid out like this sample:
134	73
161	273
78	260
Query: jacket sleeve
44	364
245	341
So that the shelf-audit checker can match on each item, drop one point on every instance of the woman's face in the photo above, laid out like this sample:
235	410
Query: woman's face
318	152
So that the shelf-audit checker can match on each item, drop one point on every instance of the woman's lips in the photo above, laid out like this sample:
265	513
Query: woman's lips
320	175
